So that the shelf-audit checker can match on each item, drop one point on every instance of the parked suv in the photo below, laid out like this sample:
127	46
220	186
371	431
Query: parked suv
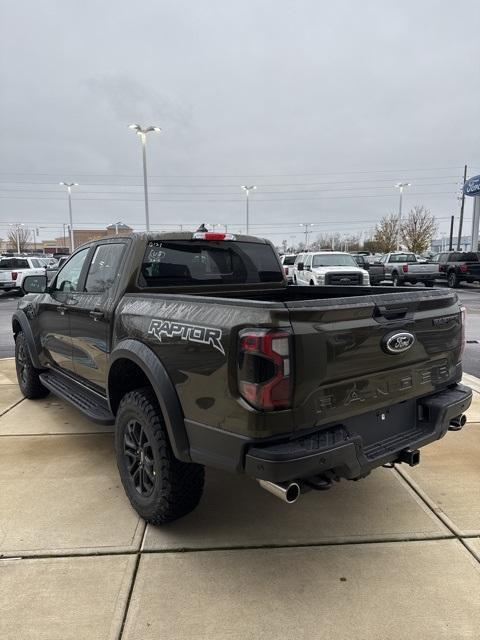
456	267
330	267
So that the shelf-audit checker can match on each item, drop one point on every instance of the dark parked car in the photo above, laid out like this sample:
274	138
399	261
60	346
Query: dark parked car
376	270
457	266
193	345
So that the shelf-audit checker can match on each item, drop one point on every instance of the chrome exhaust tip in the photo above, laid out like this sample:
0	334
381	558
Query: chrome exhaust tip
289	492
458	423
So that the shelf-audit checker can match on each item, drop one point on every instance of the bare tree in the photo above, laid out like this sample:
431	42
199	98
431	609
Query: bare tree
18	238
386	233
418	229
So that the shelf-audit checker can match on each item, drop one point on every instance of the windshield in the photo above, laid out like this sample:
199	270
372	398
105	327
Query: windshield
13	263
177	263
333	260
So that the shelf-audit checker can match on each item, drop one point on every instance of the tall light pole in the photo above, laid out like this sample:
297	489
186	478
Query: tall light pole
69	186
401	186
142	134
247	190
17	232
307	226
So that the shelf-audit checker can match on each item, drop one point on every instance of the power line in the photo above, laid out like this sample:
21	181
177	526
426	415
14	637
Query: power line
241	175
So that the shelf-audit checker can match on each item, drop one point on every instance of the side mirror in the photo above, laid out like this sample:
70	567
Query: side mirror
34	284
366	265
300	266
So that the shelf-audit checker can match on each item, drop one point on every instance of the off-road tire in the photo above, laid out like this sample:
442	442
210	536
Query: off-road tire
27	376
453	280
177	486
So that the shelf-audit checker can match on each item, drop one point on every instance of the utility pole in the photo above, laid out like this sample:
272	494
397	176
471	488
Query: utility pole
450	244
307	231
462	207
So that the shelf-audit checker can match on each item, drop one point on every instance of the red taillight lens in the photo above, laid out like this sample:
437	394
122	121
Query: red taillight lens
211	235
14	275
405	268
463	318
463	268
286	270
264	373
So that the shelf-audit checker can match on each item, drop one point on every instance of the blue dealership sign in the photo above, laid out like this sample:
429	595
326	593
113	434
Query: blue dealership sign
472	186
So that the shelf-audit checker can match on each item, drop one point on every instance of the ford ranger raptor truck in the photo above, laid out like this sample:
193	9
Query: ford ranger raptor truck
195	348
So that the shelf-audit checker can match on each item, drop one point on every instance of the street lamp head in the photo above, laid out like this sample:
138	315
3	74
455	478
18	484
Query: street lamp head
156	129
400	185
135	127
248	188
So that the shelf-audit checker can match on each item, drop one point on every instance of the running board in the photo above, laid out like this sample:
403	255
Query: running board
88	402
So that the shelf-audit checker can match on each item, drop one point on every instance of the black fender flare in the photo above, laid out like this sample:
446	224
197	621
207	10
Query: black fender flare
33	343
146	359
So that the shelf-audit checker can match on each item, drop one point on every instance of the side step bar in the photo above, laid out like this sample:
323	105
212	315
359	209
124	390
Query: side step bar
92	404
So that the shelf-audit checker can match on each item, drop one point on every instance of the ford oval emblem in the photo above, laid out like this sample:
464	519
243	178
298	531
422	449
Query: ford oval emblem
398	342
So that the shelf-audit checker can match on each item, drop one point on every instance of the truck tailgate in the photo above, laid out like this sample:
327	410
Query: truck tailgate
342	364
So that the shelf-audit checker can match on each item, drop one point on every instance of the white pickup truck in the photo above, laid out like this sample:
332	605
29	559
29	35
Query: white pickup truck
402	267
13	269
330	268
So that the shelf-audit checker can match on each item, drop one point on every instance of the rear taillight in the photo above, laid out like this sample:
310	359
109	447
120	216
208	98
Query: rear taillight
264	372
463	268
14	275
405	268
286	270
463	318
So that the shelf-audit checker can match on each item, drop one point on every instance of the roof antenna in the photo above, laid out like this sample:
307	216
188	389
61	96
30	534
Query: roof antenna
202	228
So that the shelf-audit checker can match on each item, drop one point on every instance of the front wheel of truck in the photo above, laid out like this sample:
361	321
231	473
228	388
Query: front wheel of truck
160	487
28	377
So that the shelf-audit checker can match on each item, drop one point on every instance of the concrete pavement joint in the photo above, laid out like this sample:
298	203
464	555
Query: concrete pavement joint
253	547
437	511
133	582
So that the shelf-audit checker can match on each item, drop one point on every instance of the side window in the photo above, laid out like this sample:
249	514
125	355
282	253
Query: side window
103	269
308	260
68	277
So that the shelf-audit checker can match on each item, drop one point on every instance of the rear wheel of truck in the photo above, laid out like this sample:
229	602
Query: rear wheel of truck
453	280
396	280
160	487
27	376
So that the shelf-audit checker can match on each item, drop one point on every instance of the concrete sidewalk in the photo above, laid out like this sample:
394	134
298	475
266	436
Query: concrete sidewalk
396	555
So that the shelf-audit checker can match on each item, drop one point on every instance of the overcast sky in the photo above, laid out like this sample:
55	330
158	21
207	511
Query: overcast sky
324	106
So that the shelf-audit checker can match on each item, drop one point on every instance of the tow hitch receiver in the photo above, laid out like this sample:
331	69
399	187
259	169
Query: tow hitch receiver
409	456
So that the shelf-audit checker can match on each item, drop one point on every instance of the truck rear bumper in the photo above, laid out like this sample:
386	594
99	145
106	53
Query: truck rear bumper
348	450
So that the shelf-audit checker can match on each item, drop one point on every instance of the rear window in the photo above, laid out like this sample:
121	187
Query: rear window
288	260
13	263
176	263
465	257
403	257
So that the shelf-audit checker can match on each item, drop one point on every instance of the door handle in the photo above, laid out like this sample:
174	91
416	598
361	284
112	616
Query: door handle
61	310
96	315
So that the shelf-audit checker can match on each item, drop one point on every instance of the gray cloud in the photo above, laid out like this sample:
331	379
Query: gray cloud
291	96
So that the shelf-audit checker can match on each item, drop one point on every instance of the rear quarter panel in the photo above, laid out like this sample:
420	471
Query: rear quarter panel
203	372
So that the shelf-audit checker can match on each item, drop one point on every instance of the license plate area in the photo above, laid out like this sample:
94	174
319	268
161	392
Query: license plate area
383	424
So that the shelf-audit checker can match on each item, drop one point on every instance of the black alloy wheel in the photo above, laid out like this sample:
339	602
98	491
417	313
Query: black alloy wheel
139	454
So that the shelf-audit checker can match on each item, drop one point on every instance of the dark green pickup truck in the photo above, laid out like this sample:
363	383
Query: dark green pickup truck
199	352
